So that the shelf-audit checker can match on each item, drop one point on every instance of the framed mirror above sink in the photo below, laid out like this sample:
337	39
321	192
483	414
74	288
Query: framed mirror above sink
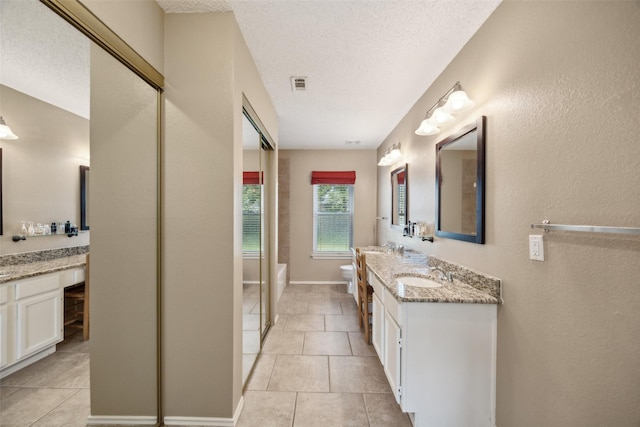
460	170
399	197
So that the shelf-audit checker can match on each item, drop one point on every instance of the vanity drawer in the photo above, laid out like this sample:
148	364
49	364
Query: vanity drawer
37	285
72	277
393	307
376	284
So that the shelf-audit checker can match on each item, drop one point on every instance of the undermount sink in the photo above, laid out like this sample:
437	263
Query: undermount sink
418	282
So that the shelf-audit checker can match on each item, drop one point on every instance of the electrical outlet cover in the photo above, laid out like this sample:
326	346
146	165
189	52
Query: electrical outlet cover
536	248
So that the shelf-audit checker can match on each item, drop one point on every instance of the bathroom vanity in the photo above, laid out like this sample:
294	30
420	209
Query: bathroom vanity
437	344
31	308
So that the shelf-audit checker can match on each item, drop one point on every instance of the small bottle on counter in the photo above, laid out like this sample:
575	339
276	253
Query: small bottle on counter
54	228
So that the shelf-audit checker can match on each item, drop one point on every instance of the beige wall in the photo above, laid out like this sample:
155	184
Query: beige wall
559	84
40	171
124	264
140	23
203	228
301	163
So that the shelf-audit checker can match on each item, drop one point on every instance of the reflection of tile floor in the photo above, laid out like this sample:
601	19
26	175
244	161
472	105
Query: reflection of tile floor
250	327
52	392
315	368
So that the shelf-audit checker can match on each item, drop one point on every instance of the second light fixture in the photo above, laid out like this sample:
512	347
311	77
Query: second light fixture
441	113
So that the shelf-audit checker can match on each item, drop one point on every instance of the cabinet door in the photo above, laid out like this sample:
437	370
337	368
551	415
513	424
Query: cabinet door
392	350
377	333
4	332
39	322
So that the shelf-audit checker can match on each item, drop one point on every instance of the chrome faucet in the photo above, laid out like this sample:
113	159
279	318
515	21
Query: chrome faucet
446	276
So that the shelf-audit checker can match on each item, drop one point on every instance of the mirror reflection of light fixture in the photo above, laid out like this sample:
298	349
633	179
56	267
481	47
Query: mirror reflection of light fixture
391	156
440	114
5	131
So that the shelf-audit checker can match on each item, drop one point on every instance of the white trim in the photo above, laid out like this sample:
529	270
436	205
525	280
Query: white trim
206	421
317	282
118	420
332	255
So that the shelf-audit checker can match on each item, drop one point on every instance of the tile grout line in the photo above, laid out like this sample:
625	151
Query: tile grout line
295	409
54	408
366	411
329	371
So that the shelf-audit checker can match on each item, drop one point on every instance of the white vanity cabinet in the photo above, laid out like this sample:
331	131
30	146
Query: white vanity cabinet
439	359
377	326
32	317
4	326
393	354
39	313
377	317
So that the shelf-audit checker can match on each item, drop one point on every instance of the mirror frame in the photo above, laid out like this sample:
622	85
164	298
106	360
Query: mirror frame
478	126
396	171
1	214
83	197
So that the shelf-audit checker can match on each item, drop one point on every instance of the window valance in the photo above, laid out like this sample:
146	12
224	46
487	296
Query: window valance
333	177
251	177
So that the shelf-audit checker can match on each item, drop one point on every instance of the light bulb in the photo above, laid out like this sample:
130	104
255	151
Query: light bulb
426	128
441	118
458	102
5	131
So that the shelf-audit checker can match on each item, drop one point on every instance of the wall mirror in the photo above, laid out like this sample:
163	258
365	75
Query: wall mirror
399	196
460	184
1	224
256	244
84	197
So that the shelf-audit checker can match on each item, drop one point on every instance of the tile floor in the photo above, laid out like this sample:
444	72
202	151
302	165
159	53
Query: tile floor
315	370
53	392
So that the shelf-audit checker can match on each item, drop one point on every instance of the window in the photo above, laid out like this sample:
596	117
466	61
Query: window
332	218
251	212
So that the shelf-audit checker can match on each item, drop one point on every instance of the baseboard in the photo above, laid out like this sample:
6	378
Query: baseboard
26	362
316	282
119	420
206	421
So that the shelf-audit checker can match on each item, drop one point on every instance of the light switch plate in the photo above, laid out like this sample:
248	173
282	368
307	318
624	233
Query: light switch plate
536	248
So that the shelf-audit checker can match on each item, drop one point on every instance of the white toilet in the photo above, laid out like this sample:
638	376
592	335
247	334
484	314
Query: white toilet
347	274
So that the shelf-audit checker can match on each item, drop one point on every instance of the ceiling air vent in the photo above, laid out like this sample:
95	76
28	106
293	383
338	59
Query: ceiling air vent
298	84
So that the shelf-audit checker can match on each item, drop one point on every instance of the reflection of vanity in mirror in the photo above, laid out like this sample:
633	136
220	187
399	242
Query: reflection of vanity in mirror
460	184
399	197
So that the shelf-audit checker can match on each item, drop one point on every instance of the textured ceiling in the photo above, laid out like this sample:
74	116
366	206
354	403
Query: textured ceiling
43	56
367	62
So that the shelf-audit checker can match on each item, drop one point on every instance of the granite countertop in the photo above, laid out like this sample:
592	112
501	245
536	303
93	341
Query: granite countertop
30	269
388	266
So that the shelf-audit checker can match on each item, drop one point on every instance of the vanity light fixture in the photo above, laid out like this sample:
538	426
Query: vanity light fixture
5	131
391	156
440	114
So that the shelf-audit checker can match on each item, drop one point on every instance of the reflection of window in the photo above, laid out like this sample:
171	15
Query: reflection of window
251	212
402	204
332	217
